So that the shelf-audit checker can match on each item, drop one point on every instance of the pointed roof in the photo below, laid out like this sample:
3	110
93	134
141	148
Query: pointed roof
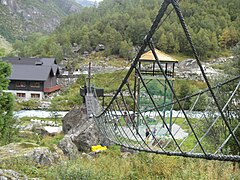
162	57
32	69
30	73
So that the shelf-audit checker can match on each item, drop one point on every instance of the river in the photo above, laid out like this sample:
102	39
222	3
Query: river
39	113
46	114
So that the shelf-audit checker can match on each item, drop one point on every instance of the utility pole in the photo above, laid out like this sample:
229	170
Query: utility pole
89	78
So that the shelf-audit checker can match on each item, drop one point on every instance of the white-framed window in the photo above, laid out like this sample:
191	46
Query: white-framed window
34	95
21	95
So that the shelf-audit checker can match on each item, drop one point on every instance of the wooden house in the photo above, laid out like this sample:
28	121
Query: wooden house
33	77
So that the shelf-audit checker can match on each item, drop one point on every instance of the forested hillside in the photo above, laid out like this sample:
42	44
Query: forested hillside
122	24
20	18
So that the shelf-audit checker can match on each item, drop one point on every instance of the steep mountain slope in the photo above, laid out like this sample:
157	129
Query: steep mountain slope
121	26
18	18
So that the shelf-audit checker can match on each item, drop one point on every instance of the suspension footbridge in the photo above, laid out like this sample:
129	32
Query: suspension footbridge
164	123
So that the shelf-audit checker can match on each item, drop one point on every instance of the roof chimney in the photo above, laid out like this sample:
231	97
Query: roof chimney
38	63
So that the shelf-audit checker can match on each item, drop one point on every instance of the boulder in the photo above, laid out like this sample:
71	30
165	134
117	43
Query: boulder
86	136
82	130
41	155
68	147
52	131
10	174
100	47
32	152
76	117
41	131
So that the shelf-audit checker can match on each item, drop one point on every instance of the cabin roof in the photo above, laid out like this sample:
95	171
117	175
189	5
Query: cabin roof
32	69
30	73
30	61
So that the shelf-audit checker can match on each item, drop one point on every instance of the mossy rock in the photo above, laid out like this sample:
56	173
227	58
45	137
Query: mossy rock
16	149
32	152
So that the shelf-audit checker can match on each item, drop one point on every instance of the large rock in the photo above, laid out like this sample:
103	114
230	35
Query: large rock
76	117
82	130
86	136
41	155
10	174
68	147
32	152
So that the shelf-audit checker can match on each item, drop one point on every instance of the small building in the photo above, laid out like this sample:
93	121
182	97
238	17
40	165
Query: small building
33	77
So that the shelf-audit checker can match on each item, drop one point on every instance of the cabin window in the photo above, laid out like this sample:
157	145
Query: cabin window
21	95
35	84
21	84
37	96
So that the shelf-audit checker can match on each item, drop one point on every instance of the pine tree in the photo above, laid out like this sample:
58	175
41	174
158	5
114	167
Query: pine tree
6	106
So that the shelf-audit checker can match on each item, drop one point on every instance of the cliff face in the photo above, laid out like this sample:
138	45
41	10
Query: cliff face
20	17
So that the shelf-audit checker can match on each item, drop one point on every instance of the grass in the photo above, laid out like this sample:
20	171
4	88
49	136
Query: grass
29	137
101	60
49	141
111	165
142	166
27	119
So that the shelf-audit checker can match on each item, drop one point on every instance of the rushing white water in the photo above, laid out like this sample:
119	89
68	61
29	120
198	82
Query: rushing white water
40	113
45	114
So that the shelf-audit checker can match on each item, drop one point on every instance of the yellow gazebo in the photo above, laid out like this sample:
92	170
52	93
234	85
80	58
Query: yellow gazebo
167	62
162	57
156	83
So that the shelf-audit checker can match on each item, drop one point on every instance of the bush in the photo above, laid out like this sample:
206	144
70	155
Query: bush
29	104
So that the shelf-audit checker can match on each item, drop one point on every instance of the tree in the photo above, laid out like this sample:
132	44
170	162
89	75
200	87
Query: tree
2	52
125	50
95	38
213	25
203	43
111	39
229	38
6	105
183	89
162	42
236	60
171	42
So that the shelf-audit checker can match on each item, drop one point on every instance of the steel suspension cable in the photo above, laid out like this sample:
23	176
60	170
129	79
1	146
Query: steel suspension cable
223	109
184	26
139	110
196	125
139	74
174	94
153	28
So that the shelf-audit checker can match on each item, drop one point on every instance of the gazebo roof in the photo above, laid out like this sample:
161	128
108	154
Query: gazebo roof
162	57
